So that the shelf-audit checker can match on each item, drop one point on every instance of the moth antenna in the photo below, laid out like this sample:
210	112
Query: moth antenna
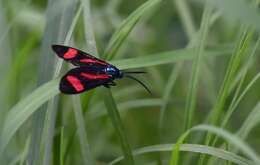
140	82
134	72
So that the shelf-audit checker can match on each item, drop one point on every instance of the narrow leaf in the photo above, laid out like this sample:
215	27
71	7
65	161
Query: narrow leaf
126	27
24	109
118	125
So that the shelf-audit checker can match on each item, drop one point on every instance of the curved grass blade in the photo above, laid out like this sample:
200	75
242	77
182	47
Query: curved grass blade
237	98
126	27
24	109
251	121
236	103
202	149
230	138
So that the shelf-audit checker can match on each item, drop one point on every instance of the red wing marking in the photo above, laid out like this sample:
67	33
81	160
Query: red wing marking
93	76
92	61
75	82
71	53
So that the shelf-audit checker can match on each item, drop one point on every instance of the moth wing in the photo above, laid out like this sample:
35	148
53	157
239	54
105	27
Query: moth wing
77	57
82	79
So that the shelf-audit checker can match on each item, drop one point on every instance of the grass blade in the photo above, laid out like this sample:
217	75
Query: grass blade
242	45
248	87
166	96
165	58
118	125
25	151
59	17
62	151
186	17
89	32
77	106
202	149
126	27
24	109
232	10
230	138
97	110
192	92
251	121
52	108
85	149
236	100
5	59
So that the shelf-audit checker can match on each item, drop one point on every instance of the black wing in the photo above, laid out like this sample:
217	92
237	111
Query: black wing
81	79
78	57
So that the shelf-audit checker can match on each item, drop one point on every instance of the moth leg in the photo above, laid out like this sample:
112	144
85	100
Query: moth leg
109	84
112	83
106	85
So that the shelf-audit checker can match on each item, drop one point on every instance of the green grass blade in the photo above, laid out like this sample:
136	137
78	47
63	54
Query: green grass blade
165	58
239	51
202	149
118	125
230	138
237	98
25	152
59	16
88	28
175	151
192	92
232	109
187	21
67	41
77	106
84	146
167	93
52	109
98	109
232	10
62	144
184	11
21	58
5	59
251	121
126	27
243	43
24	109
50	122
4	46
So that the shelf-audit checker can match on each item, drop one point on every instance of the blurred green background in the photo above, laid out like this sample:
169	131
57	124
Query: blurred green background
202	59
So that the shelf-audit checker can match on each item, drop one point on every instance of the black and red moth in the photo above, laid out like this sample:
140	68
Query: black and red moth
90	72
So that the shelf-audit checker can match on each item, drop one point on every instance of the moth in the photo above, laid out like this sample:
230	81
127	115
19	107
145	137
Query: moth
90	72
